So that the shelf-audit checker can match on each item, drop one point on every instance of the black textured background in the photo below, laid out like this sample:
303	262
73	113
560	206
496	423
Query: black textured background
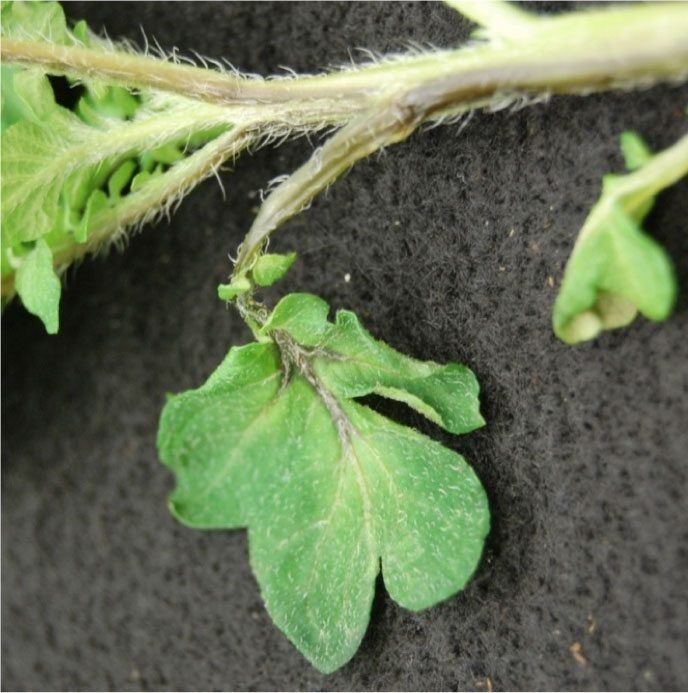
450	241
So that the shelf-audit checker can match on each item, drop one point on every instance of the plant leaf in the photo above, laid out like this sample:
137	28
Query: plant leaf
447	395
614	273
271	267
238	286
616	269
635	151
34	20
39	286
328	488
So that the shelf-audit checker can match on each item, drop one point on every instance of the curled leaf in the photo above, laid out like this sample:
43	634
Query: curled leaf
616	269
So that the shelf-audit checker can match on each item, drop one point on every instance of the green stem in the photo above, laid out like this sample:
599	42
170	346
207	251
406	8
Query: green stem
663	170
634	190
393	119
578	51
499	18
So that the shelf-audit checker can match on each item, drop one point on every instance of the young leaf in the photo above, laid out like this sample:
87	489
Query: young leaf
34	20
238	286
635	151
38	285
271	267
329	489
616	270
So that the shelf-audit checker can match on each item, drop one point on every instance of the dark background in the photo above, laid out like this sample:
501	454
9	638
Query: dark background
450	241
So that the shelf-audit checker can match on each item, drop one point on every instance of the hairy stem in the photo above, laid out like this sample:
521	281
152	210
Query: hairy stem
378	104
578	51
362	137
394	119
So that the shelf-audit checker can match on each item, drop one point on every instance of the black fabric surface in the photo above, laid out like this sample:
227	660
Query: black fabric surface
450	241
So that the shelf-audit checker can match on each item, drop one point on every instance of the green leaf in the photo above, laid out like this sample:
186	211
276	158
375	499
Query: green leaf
97	202
616	269
238	286
168	154
635	150
614	272
141	178
26	95
34	20
304	316
271	267
445	394
39	286
120	179
34	168
330	490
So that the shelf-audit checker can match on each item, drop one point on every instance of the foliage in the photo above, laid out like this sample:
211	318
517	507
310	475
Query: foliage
64	172
275	442
616	269
331	492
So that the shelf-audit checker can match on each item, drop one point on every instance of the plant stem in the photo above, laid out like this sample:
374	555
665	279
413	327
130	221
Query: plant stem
395	119
632	191
379	104
359	139
663	170
578	51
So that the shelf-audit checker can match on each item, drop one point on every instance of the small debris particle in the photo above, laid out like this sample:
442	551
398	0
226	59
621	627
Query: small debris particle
592	624
135	674
487	223
485	683
511	232
347	277
550	281
252	194
254	209
397	222
648	675
577	651
502	268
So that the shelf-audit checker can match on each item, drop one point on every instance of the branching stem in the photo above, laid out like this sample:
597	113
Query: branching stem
577	51
378	104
